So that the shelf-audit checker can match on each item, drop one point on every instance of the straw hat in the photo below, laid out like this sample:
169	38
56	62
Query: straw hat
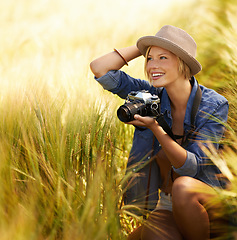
176	41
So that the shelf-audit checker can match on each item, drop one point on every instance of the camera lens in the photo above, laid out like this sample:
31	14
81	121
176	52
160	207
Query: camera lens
127	111
123	114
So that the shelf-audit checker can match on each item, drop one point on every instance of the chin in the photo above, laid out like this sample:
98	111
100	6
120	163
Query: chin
155	84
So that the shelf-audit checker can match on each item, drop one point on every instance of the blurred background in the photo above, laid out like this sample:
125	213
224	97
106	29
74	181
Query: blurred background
63	151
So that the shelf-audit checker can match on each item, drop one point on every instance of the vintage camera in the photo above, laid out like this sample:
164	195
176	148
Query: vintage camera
139	102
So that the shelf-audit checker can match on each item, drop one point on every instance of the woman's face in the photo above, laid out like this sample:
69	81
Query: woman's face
162	67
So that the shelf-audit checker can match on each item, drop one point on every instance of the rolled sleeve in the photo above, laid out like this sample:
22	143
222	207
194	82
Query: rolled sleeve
190	166
108	81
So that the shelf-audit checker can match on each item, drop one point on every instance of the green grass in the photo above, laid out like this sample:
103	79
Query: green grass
61	172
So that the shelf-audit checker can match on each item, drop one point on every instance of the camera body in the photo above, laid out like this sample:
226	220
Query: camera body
139	102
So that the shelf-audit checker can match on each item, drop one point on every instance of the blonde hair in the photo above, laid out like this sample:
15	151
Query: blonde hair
183	68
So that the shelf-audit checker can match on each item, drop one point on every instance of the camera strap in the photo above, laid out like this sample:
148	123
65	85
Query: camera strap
161	120
196	103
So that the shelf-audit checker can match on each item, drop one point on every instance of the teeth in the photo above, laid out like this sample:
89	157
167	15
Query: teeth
156	74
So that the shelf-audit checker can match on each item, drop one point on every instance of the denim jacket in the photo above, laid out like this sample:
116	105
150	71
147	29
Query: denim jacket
213	110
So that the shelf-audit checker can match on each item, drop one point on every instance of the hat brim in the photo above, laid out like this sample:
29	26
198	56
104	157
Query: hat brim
144	42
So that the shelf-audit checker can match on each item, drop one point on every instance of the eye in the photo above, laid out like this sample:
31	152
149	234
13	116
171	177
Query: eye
149	59
163	57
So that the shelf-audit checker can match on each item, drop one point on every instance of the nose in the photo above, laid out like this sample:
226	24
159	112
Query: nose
153	64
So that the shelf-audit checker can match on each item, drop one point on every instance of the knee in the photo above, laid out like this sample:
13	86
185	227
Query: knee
182	190
182	185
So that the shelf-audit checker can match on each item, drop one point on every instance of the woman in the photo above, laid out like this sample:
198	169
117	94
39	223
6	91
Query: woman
181	171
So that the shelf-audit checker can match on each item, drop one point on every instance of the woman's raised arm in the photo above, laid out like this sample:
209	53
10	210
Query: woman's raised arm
113	60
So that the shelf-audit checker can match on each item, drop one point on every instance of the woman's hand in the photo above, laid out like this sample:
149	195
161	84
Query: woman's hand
140	121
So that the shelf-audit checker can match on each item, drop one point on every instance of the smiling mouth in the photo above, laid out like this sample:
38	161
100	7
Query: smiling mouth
157	74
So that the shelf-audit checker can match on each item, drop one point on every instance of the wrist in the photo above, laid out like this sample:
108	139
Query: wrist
118	52
128	53
154	126
157	129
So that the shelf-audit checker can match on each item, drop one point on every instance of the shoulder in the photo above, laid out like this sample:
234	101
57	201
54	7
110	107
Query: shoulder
211	97
213	103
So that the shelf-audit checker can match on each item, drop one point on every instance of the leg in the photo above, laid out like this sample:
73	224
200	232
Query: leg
189	195
160	226
136	234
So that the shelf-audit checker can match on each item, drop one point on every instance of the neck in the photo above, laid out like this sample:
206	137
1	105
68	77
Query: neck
179	95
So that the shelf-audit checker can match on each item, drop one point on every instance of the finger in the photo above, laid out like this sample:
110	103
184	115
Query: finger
137	117
135	122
